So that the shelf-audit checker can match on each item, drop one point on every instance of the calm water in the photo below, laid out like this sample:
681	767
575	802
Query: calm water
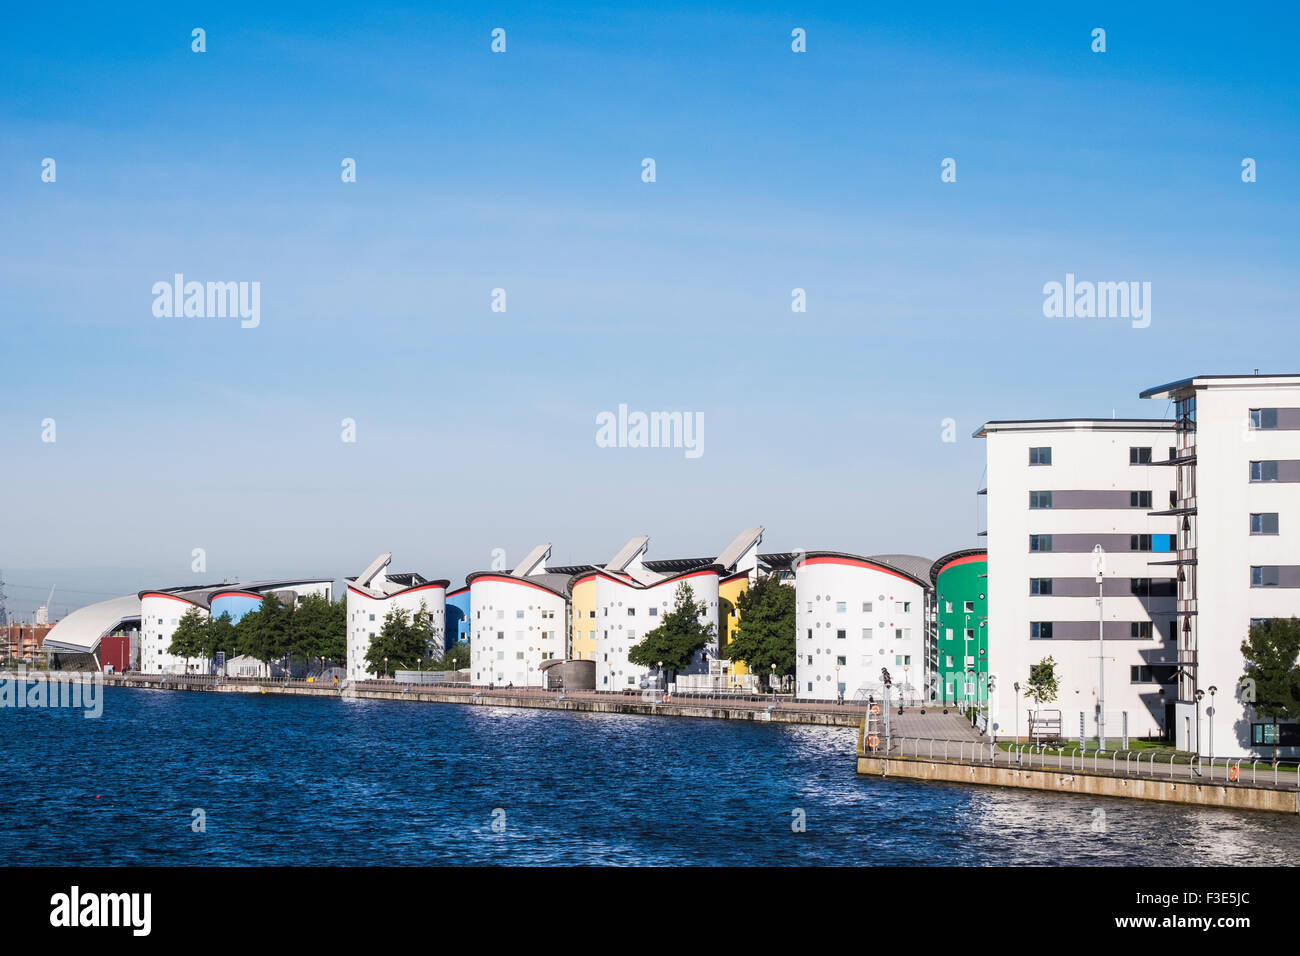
313	781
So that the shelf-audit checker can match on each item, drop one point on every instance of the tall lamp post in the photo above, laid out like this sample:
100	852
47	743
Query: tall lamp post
1200	696
1016	688
771	682
1099	564
839	693
1209	712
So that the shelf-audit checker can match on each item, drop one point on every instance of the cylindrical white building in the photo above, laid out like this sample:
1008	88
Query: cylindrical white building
517	623
626	609
856	616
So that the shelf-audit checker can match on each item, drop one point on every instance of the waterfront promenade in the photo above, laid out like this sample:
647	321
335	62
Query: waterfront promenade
1231	783
753	707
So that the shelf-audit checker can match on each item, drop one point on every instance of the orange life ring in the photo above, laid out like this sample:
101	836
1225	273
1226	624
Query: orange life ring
1234	772
873	742
875	709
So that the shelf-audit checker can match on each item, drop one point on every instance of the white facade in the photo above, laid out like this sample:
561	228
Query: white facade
1057	489
159	615
366	613
627	608
1240	568
516	624
860	617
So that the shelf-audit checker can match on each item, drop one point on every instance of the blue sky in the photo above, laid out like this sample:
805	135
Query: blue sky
775	170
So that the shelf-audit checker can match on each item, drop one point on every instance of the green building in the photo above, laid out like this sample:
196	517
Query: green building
961	666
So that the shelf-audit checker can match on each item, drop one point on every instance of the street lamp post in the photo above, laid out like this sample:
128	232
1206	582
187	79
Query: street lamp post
839	694
1016	688
1200	695
771	682
1099	563
1209	712
385	673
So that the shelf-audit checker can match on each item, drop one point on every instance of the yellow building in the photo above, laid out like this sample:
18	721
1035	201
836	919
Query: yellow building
582	618
729	591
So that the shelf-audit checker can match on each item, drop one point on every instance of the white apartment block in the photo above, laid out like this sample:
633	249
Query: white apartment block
1238	513
519	620
1056	490
373	594
856	617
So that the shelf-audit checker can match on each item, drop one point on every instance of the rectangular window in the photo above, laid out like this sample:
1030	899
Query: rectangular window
1040	630
631	612
1139	542
1139	629
654	612
841	634
1173	499
842	661
1263	418
1263	471
969	607
970	634
631	634
1139	456
1040	542
1264	523
1040	585
1040	499
866	633
841	607
1139	674
1139	499
866	607
947	607
1040	456
810	638
519	615
1264	576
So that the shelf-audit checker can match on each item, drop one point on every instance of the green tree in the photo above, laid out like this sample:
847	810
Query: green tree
1271	684
765	634
264	634
455	658
404	642
679	638
318	628
1042	685
219	637
190	637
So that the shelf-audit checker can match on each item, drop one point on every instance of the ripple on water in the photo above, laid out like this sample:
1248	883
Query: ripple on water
324	781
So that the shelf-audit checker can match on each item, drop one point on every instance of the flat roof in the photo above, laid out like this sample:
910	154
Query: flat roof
1200	381
1073	424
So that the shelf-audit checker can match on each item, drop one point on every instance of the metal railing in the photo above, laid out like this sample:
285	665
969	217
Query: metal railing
1157	765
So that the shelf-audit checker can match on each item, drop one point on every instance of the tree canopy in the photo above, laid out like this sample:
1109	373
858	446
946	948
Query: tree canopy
1042	685
406	641
1271	683
316	627
766	632
679	638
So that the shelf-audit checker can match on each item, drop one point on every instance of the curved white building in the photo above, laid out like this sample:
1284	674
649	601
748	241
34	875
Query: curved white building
519	620
631	600
374	593
856	616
